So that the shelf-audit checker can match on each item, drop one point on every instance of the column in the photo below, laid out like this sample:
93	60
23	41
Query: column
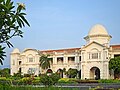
65	59
54	60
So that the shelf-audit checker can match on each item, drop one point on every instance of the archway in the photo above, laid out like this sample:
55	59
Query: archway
95	73
49	71
79	74
60	72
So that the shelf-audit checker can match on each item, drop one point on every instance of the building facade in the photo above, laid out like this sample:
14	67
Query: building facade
91	60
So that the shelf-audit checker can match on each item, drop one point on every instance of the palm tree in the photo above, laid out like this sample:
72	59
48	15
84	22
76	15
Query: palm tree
45	61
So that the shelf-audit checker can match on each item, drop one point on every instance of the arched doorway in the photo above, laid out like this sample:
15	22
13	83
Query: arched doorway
60	72
79	74
49	72
95	73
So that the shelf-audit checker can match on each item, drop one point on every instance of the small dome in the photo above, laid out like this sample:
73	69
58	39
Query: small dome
16	50
98	30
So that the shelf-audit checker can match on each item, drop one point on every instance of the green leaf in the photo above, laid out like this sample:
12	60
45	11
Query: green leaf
8	2
2	54
23	18
9	44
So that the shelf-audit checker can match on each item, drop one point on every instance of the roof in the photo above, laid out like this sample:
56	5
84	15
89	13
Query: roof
98	29
92	43
115	46
61	50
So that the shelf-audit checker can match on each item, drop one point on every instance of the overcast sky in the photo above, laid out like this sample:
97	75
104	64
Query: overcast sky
57	24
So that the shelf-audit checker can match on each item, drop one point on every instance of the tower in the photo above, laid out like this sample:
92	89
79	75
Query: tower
94	62
14	61
99	34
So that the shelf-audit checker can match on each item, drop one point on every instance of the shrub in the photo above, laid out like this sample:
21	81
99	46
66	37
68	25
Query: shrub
67	80
26	81
72	73
49	80
27	75
87	81
109	81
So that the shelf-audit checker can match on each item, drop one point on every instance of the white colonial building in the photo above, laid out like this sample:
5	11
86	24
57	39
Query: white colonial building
91	60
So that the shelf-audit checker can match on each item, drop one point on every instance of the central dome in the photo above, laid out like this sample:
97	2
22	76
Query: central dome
97	30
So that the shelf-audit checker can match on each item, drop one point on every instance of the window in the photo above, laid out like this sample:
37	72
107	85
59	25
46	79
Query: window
80	58
13	62
71	60
94	55
30	59
20	70
99	55
20	62
60	60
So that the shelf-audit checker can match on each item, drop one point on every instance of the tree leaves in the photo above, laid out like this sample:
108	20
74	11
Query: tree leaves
2	54
114	64
11	22
44	61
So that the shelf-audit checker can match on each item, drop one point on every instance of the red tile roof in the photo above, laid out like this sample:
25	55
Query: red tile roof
115	46
61	50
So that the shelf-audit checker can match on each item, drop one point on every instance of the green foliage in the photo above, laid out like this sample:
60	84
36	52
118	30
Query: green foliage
11	22
49	80
36	81
67	80
17	75
26	80
45	61
5	72
27	75
87	81
72	73
2	54
114	64
109	81
34	88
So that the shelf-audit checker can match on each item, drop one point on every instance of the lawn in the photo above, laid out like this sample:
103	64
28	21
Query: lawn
35	88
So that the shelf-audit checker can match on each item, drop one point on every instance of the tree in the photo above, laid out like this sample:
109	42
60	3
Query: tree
5	72
11	22
114	64
45	61
72	73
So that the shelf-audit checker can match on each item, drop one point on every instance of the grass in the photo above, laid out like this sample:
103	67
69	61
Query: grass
34	88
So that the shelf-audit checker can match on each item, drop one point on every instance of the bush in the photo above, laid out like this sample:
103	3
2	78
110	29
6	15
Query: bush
72	73
36	81
87	81
67	80
27	75
49	80
26	80
109	81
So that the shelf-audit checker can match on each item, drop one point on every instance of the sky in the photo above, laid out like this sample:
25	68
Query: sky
59	24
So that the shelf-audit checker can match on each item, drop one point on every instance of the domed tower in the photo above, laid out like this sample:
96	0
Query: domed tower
99	34
14	57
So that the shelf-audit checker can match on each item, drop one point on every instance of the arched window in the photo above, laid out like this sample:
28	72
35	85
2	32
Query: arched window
13	62
30	58
94	54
